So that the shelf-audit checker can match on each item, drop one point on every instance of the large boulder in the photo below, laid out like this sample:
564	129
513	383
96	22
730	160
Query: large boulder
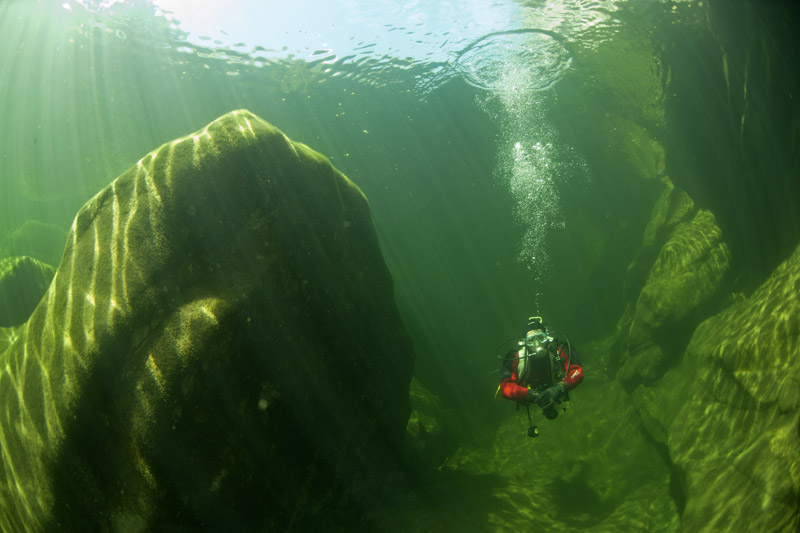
736	439
23	282
220	348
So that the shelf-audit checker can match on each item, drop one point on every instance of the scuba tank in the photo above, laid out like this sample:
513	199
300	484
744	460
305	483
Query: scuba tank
553	372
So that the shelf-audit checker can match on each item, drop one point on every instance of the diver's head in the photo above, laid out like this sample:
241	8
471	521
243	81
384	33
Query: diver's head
535	336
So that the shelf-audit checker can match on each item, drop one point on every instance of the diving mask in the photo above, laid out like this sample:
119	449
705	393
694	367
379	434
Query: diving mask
535	340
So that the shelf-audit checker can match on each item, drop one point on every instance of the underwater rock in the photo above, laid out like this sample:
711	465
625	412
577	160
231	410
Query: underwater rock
650	410
41	241
7	337
673	207
23	282
219	349
746	365
736	437
680	288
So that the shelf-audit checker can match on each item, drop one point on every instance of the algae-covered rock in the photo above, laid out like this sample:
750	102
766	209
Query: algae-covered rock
41	241
683	282
7	337
23	282
673	207
650	409
736	438
219	349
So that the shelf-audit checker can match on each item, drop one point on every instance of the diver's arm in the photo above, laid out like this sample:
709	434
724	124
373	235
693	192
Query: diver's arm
574	373
511	390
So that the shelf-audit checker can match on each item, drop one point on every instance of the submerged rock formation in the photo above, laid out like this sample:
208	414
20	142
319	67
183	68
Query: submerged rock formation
736	438
685	260
220	348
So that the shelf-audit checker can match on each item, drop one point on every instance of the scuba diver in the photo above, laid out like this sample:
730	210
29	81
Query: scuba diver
541	372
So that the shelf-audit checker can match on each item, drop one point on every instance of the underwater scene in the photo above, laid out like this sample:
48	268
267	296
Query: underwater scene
423	266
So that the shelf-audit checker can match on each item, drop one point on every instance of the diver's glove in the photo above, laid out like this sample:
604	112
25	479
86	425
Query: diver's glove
549	397
531	397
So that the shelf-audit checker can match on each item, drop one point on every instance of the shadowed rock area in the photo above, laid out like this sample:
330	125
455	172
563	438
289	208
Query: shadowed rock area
219	348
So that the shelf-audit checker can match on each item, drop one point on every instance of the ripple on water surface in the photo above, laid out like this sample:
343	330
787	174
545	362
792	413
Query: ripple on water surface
536	58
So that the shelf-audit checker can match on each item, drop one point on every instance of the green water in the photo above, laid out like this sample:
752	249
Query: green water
502	183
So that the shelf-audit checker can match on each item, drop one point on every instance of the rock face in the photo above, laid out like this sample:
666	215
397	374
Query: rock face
736	439
219	348
23	281
687	261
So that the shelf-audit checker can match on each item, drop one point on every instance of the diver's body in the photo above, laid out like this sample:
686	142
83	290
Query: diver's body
541	372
